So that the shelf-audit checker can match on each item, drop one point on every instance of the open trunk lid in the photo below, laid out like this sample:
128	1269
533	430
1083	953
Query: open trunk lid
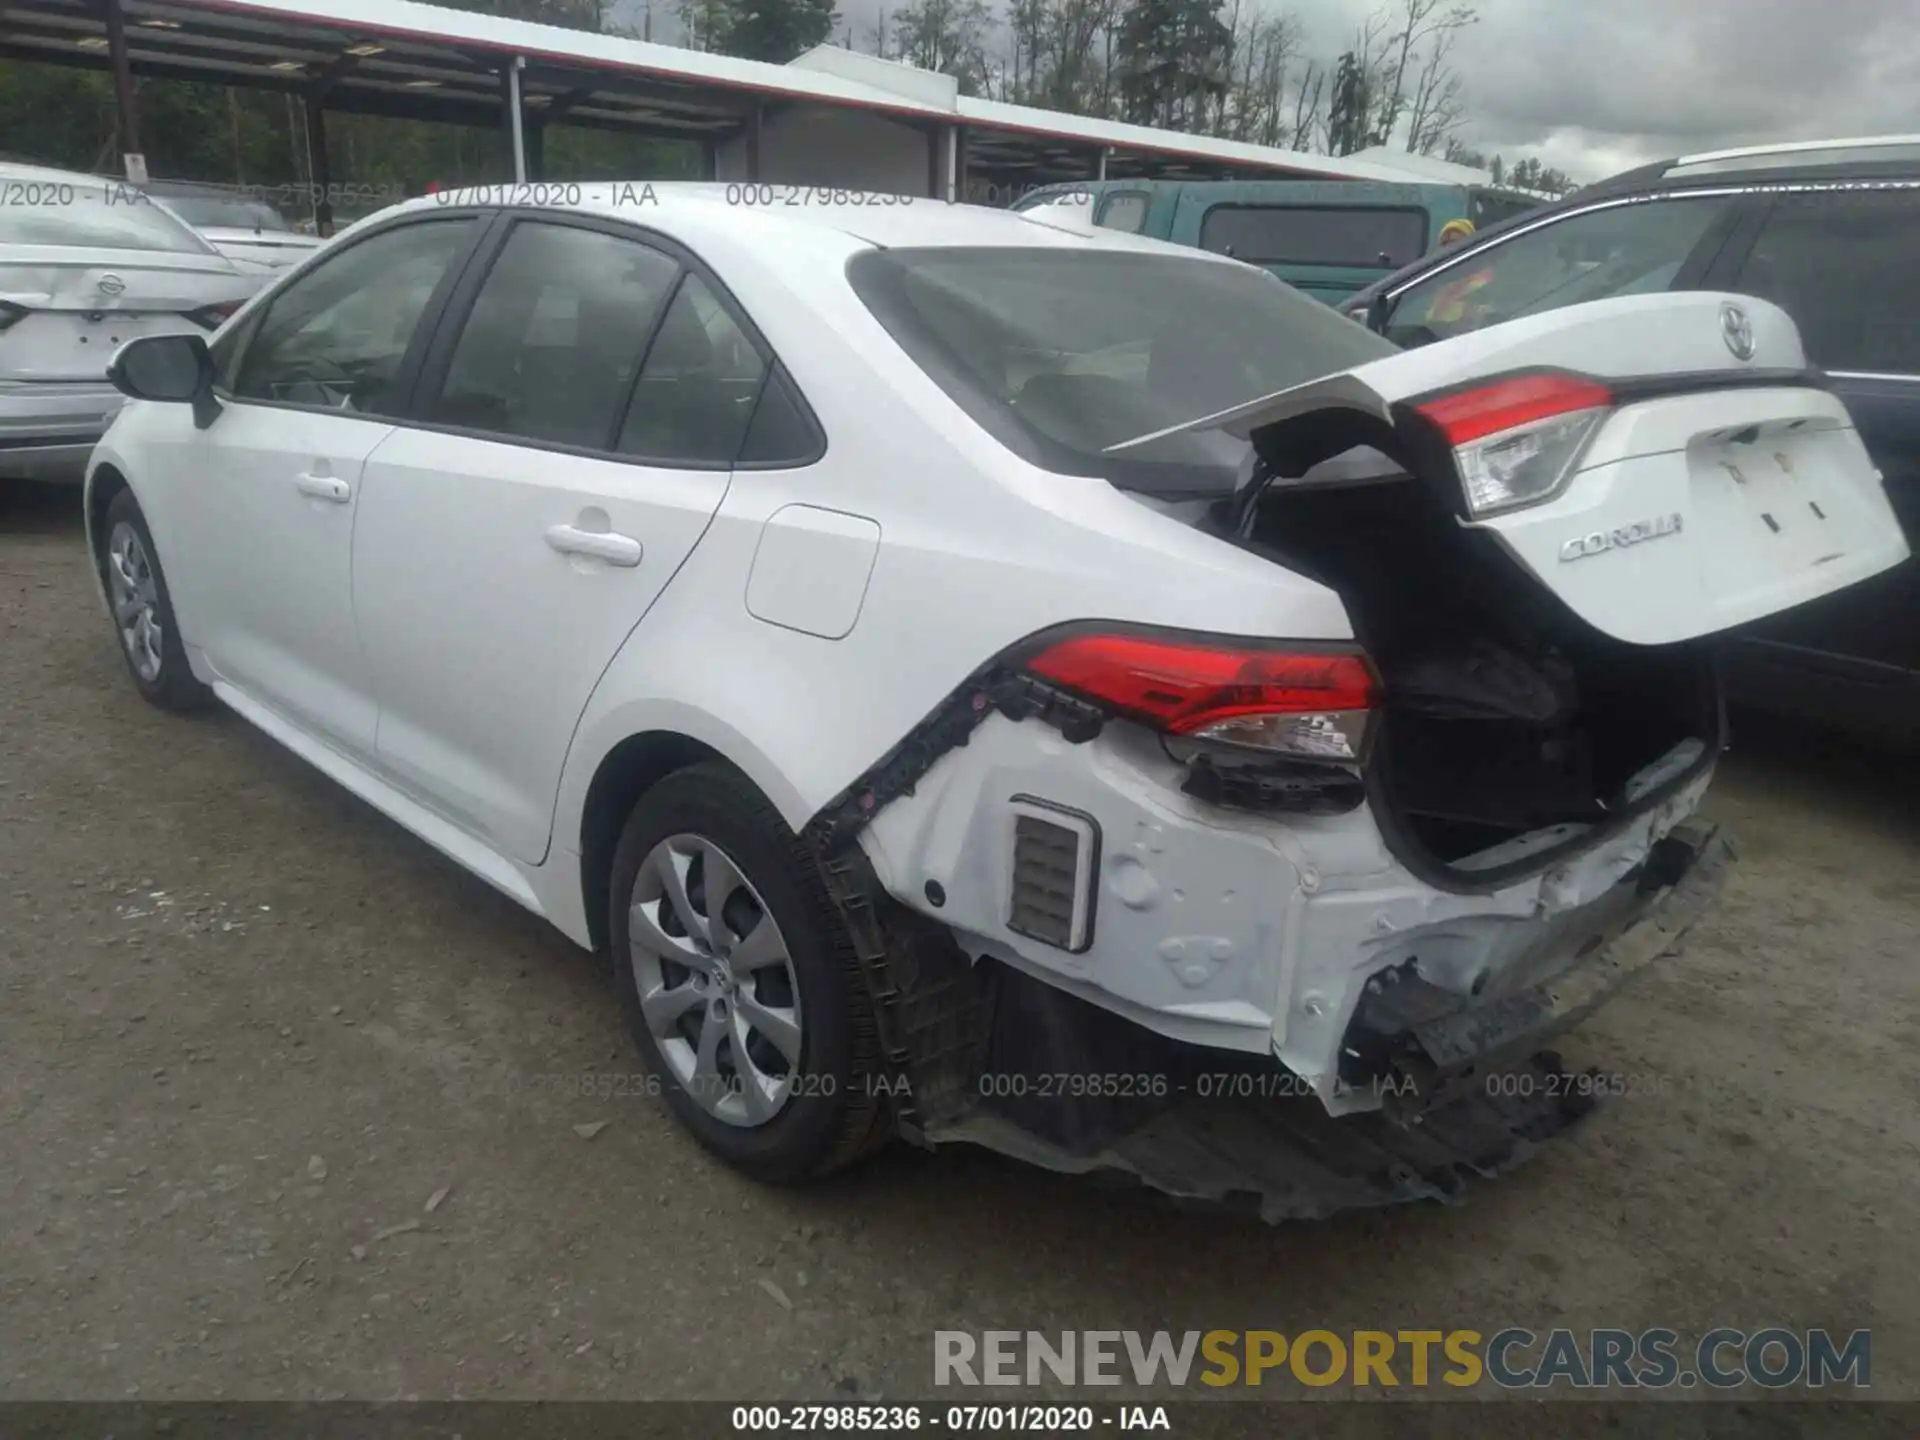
1667	465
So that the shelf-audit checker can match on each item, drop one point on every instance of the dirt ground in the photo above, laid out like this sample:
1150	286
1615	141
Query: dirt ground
250	1029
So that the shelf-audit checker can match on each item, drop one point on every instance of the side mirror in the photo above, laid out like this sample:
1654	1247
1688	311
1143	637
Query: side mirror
173	368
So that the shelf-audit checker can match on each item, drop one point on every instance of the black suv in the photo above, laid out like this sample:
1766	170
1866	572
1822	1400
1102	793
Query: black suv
1831	233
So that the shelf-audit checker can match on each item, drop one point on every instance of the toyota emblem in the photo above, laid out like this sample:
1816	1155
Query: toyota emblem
110	285
1736	328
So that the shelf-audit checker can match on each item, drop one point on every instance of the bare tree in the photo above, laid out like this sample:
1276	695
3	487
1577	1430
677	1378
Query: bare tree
1308	98
1265	49
1437	105
1397	47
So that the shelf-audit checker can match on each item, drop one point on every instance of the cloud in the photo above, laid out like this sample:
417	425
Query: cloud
1597	87
1601	87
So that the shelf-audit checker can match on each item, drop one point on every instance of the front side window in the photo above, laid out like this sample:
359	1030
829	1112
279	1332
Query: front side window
552	346
1315	235
1062	353
336	337
1126	211
698	386
1843	265
1632	249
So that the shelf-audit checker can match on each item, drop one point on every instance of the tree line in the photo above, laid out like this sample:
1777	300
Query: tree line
1228	68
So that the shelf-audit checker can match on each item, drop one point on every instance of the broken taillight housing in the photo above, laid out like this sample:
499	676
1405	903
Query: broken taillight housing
1516	441
1311	704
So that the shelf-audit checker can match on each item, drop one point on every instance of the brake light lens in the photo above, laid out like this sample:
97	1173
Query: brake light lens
1298	703
215	315
1516	441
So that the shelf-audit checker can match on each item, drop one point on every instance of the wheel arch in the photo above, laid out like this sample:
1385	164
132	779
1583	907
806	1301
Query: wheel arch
103	483
625	773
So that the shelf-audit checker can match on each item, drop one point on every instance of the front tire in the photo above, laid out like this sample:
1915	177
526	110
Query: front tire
142	609
740	982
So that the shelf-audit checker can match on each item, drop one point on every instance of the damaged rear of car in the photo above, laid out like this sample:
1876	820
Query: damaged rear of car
1293	921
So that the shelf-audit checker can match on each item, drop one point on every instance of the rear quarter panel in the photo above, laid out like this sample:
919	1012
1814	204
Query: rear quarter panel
976	551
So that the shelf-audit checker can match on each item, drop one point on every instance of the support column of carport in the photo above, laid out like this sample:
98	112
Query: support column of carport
319	169
516	119
133	159
946	163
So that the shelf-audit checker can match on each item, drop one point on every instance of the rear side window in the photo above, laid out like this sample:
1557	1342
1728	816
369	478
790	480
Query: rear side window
1126	211
89	214
1634	249
1303	235
552	345
698	386
1846	266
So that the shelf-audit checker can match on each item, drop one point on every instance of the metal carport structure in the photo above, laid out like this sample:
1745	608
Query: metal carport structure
831	118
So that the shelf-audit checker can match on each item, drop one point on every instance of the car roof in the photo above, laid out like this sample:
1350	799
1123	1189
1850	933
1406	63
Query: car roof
1307	188
885	221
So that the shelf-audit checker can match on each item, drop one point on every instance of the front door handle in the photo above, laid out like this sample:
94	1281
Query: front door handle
621	550
324	487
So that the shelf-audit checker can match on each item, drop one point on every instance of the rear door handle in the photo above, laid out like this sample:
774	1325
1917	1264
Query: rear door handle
621	550
324	487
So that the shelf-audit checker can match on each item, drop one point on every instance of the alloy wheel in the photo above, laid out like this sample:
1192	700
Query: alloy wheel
135	597
716	981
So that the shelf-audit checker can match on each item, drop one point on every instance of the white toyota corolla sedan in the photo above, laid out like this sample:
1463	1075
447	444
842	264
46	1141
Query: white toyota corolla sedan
984	678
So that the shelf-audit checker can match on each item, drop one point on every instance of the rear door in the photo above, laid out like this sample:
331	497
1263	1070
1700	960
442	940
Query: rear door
574	434
1845	263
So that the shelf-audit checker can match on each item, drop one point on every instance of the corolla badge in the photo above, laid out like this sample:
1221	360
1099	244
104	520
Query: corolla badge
1736	328
110	284
1601	541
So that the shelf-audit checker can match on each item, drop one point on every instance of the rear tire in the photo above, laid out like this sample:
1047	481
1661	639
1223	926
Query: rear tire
142	610
763	1039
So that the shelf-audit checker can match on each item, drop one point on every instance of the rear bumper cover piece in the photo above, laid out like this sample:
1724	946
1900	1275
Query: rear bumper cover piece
1073	1088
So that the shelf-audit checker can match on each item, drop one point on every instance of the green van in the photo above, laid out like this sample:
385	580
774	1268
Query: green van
1329	238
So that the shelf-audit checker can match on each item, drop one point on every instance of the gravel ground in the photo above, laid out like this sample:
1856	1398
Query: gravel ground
270	1121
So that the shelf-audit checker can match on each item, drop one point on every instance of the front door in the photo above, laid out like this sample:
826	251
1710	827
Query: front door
271	490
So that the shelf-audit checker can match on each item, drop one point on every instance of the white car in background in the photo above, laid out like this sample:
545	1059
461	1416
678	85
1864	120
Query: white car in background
239	226
787	602
87	265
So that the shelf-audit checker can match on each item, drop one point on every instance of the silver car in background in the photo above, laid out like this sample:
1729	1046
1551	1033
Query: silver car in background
240	225
86	265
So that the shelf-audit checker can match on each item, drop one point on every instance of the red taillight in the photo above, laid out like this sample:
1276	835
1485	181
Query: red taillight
1469	415
1516	441
215	315
1301	702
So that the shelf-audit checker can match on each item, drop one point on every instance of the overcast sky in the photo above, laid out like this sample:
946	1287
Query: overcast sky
1596	86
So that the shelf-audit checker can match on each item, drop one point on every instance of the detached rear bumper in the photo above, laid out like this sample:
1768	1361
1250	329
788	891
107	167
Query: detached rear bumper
1419	1046
1446	1090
